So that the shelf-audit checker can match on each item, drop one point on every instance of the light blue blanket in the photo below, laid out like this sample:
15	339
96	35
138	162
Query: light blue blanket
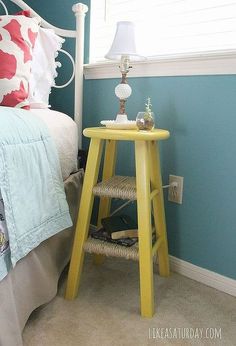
31	185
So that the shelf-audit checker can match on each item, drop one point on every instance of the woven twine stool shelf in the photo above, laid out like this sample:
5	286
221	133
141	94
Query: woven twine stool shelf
145	188
117	187
101	247
110	249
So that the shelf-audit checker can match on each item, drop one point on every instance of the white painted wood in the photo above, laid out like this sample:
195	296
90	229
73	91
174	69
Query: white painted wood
202	64
207	277
80	11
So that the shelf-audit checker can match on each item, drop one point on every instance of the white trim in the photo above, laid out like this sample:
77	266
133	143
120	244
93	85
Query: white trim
185	65
207	277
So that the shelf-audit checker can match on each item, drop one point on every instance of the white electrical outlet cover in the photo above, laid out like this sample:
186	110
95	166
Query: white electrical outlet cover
176	194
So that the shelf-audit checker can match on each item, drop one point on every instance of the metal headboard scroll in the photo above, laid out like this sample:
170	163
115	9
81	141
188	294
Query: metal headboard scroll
4	6
73	72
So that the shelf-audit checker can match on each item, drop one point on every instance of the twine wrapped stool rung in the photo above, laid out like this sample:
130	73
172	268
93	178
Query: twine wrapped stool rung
101	247
110	249
117	187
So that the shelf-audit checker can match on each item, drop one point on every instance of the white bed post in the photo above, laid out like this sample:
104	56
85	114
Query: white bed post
80	11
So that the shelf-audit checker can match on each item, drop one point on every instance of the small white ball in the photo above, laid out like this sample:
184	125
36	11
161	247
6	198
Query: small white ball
123	91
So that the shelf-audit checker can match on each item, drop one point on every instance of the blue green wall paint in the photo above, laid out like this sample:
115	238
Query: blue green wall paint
200	113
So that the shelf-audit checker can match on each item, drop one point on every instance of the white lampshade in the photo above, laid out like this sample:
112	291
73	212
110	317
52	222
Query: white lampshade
124	43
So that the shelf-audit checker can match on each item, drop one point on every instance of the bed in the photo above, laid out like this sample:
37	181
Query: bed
31	278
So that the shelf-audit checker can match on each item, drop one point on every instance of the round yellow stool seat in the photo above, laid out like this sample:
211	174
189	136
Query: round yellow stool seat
126	135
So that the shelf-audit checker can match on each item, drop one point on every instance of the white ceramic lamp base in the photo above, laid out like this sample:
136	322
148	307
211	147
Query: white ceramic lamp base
122	91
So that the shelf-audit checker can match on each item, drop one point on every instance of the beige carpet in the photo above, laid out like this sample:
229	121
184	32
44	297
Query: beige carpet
106	312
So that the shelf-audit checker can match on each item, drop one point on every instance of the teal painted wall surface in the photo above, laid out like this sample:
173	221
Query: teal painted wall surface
200	112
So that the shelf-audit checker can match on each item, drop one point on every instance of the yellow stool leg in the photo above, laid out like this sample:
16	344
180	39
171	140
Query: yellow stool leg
158	208
108	172
83	221
144	228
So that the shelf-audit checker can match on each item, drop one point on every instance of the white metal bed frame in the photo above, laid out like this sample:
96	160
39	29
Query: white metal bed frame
79	10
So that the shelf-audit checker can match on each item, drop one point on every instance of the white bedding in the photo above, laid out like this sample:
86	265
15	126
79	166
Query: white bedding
65	135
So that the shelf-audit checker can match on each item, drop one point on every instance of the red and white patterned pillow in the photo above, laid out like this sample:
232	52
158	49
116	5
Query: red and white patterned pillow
17	39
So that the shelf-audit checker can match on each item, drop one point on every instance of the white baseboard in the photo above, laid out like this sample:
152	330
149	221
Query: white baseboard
207	277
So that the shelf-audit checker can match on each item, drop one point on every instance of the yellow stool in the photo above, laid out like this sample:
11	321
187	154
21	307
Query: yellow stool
148	189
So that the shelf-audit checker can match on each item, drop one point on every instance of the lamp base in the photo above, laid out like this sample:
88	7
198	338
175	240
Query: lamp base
121	118
122	91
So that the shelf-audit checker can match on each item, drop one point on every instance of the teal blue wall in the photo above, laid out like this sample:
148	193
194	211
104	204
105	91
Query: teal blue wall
200	112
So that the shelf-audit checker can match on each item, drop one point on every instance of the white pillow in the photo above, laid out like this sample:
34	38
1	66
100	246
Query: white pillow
43	71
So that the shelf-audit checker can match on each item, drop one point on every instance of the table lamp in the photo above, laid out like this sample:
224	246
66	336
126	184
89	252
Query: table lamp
123	48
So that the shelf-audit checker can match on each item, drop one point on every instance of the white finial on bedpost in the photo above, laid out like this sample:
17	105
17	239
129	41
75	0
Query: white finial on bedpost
80	11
